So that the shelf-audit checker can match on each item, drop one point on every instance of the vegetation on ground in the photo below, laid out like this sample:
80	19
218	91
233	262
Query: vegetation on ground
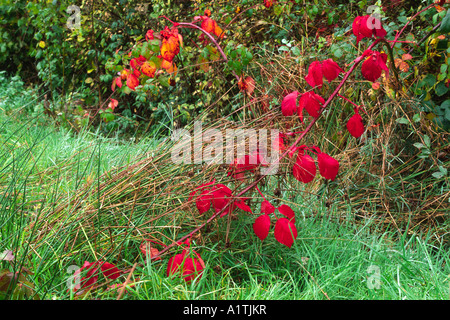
92	205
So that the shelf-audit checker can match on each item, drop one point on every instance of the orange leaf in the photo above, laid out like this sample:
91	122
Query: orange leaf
402	65
170	48
132	81
147	249
247	85
209	25
149	69
219	32
406	57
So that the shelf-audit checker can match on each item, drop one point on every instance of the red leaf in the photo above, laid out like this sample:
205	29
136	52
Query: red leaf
261	226
355	125
245	163
315	75
241	205
247	85
170	47
304	169
289	104
174	263
189	267
147	249
312	102
328	166
109	270
193	267
286	211
200	188
113	104
360	28
267	207
330	69
374	24
218	31
285	232
208	24
149	69
203	202
132	81
117	81
91	276
169	32
136	62
268	3
221	196
149	35
278	143
373	65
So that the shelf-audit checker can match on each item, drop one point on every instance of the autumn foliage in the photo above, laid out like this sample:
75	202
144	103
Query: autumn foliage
156	56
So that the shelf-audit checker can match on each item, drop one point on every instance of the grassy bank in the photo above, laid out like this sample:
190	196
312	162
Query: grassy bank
68	198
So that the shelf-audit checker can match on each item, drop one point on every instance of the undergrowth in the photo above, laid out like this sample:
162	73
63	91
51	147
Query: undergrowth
67	198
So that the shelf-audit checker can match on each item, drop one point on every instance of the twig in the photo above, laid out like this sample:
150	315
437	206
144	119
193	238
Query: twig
122	290
194	26
412	18
426	36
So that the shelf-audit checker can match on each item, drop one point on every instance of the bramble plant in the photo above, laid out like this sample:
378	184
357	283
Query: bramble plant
152	62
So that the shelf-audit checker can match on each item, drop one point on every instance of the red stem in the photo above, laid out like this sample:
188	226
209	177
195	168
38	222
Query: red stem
404	27
349	101
194	26
260	193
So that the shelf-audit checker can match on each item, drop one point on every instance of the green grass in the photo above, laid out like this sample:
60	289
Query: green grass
43	168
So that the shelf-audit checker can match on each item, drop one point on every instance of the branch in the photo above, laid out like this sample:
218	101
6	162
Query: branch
255	183
194	26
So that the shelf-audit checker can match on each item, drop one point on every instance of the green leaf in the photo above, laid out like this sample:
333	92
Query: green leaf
430	80
338	53
402	121
447	114
427	140
438	175
108	116
296	51
277	10
445	25
164	81
126	90
441	89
